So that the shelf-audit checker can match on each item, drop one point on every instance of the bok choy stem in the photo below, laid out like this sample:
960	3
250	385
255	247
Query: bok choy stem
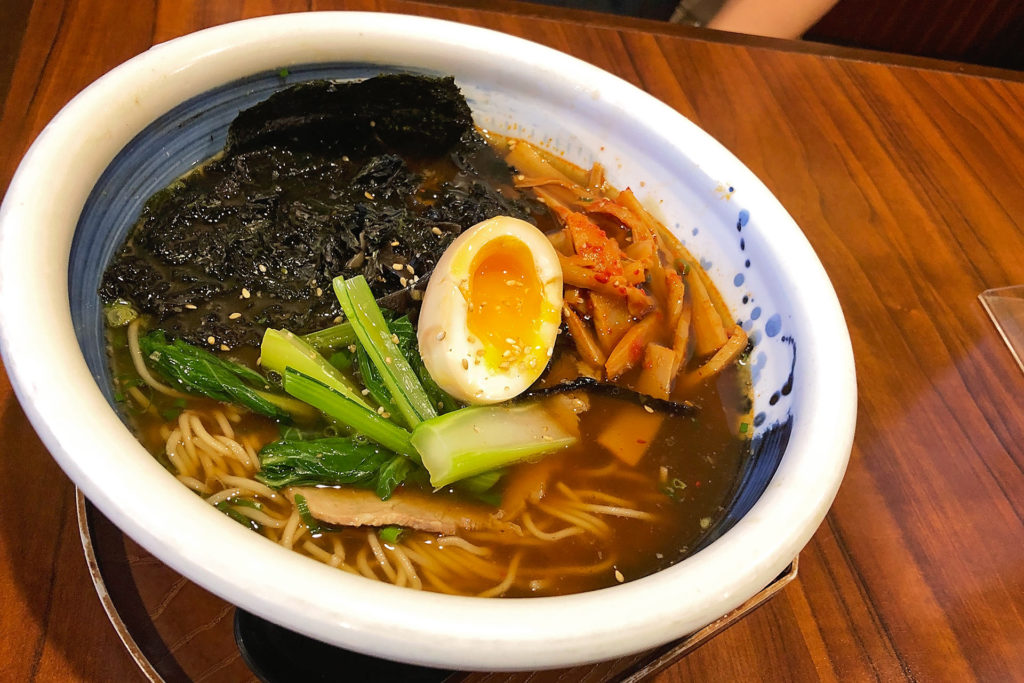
331	337
282	349
378	341
335	404
473	440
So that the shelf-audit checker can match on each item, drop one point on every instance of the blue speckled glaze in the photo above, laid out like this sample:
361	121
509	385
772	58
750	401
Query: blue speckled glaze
772	364
195	130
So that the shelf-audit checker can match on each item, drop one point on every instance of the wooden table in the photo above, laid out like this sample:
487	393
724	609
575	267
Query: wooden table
905	176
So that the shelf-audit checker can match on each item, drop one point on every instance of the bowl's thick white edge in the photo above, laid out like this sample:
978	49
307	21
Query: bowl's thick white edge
63	403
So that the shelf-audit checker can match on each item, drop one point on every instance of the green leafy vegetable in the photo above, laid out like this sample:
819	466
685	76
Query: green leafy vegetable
293	433
406	333
200	372
281	349
482	486
340	407
394	472
343	360
474	440
402	329
225	506
380	343
332	337
375	385
390	534
316	528
332	462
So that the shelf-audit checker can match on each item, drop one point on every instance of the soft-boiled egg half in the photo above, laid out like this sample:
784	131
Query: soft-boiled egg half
491	311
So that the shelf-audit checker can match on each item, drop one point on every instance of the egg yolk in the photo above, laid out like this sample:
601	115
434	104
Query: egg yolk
505	300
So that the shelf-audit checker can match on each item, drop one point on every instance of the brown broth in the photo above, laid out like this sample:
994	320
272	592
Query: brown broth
685	479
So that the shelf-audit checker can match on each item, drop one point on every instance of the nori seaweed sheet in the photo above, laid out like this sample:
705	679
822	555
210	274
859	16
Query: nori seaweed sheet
321	179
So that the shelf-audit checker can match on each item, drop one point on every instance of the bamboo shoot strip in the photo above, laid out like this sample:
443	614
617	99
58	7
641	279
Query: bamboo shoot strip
375	337
363	420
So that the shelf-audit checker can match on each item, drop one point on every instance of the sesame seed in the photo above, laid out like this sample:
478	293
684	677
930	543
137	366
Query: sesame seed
337	320
402	281
211	340
648	408
319	291
225	347
245	293
510	340
506	354
397	266
191	307
235	316
365	392
416	295
368	195
436	230
352	348
385	414
344	158
373	124
410	269
387	360
705	522
441	335
465	364
259	360
263	268
394	243
619	577
380	410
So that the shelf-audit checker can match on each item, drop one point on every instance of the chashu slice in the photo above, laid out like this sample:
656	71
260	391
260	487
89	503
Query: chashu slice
434	513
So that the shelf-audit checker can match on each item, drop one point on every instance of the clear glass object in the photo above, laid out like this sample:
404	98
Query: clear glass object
1005	305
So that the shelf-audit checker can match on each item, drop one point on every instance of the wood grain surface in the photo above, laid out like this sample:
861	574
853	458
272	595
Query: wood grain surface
906	179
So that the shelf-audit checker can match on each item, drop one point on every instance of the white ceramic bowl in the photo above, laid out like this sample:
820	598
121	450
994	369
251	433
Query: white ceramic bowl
129	133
